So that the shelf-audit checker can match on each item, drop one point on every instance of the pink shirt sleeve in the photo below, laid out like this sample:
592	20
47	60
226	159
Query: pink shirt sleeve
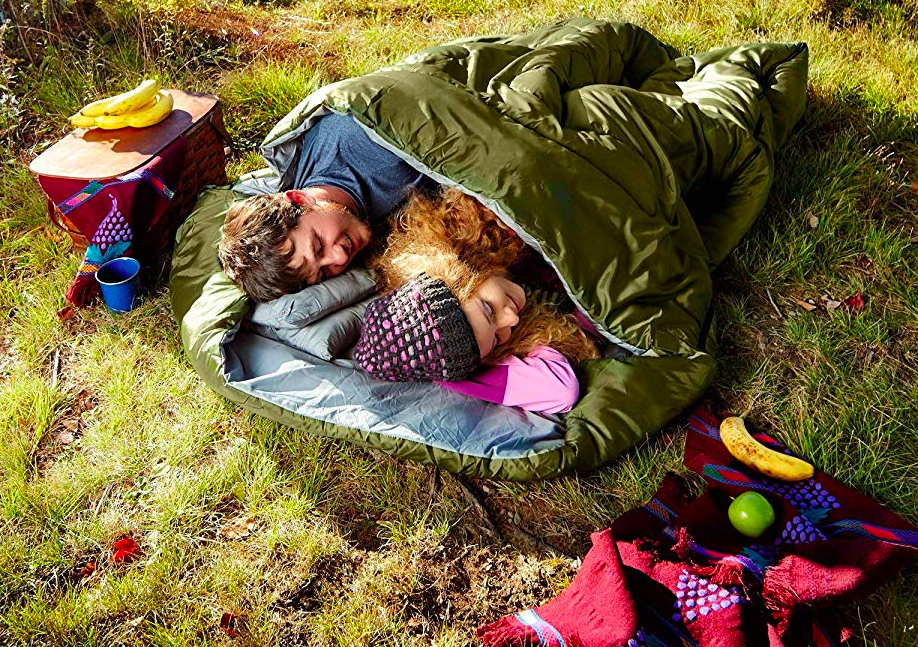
543	382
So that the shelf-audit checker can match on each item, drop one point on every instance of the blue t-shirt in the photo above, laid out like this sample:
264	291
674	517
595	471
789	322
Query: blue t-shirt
338	152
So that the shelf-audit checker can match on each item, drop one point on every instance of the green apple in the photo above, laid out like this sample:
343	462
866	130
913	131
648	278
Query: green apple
751	514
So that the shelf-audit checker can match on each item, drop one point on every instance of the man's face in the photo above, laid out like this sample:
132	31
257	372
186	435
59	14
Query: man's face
325	240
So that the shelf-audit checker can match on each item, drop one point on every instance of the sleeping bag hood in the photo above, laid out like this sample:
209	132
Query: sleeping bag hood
632	170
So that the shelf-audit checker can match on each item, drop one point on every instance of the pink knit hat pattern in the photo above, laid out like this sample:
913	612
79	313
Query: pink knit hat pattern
417	333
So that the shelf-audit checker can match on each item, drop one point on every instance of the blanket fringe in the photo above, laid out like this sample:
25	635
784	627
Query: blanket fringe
683	545
506	632
779	595
83	291
728	573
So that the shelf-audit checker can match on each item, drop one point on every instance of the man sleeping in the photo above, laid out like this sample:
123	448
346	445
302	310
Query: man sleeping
344	187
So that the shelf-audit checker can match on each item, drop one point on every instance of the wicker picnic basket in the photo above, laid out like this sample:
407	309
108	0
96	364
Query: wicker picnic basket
104	155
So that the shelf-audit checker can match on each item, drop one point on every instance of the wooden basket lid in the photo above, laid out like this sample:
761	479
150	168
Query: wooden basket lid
95	153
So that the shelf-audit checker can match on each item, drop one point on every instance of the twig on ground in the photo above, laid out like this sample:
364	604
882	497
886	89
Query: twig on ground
536	543
435	482
108	488
55	366
473	496
773	304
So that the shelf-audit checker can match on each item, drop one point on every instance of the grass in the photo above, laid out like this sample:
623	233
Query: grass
105	429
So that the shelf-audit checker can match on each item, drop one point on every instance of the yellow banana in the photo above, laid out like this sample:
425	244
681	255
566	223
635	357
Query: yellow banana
95	108
79	120
751	452
109	122
153	113
131	101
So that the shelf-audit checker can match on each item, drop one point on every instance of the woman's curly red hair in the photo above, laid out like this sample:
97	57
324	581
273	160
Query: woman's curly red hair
457	239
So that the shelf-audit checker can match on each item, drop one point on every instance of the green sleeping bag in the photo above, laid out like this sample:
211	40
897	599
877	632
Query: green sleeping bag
633	170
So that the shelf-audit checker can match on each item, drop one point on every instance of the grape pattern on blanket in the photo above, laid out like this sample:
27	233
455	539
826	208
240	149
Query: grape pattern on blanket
697	596
114	228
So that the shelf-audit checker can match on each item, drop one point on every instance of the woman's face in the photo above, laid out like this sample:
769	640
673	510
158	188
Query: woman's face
493	310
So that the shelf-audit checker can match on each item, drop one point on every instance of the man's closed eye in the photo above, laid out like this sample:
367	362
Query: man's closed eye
317	251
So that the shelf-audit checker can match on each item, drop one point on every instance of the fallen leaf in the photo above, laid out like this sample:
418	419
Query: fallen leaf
814	222
829	303
85	401
88	569
73	425
64	437
806	305
136	622
915	187
231	624
65	313
126	550
238	527
855	302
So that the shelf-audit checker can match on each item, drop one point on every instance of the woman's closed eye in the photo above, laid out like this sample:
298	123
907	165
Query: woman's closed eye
489	310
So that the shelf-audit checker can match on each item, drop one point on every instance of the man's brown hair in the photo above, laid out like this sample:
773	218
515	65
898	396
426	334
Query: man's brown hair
255	250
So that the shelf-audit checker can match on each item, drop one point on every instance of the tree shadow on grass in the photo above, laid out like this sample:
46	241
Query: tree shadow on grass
845	171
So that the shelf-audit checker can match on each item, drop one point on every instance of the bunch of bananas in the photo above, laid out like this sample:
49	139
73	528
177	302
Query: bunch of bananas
145	105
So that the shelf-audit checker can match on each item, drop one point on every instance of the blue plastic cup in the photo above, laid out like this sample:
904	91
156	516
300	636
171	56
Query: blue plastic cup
120	282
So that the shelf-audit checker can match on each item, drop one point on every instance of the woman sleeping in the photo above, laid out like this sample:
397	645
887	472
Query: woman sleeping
456	311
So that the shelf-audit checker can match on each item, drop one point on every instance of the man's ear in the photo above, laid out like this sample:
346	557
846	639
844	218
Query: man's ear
300	197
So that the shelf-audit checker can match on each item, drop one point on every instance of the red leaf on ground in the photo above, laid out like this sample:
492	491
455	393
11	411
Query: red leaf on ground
87	570
855	303
65	313
230	623
126	550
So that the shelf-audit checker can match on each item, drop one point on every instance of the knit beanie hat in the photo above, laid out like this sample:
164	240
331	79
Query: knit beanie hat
417	333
